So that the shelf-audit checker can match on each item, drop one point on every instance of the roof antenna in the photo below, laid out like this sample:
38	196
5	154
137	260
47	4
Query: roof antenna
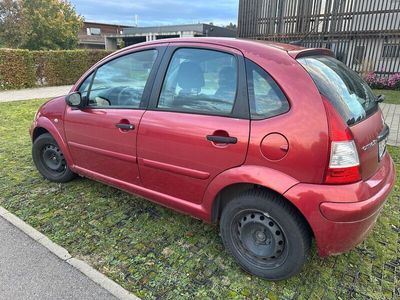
299	42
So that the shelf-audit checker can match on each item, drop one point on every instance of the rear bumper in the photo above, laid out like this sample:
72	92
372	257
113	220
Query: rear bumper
342	216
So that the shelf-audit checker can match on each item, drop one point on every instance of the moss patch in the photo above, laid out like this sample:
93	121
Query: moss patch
157	253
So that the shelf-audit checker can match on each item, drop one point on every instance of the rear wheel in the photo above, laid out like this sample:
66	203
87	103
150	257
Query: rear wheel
265	235
50	160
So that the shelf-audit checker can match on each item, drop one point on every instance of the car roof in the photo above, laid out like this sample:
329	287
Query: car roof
239	44
231	42
244	45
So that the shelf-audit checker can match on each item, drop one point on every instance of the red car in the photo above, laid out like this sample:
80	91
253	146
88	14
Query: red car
278	144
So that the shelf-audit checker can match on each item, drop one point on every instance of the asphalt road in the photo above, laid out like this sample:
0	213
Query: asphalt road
29	271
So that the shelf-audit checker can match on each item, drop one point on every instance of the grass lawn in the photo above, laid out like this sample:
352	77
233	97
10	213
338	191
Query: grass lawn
159	254
391	96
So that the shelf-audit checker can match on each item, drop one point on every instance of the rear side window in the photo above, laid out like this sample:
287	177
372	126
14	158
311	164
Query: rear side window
200	81
266	98
349	94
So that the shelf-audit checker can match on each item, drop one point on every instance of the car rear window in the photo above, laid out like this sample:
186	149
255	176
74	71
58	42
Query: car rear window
344	88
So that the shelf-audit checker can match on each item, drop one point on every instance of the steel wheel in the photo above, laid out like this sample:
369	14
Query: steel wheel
265	234
50	160
259	238
53	159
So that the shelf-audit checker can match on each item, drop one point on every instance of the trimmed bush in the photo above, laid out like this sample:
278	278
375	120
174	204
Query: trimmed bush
24	69
17	69
66	66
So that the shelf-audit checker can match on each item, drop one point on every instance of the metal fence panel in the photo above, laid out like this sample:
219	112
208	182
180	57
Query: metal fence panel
364	34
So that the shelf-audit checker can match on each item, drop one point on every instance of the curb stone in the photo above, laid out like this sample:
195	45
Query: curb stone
97	277
101	279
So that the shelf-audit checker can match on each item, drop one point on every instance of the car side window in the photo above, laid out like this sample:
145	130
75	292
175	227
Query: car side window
200	81
266	98
121	82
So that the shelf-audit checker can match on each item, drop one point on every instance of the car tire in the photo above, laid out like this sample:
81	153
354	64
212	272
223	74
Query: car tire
50	161
265	234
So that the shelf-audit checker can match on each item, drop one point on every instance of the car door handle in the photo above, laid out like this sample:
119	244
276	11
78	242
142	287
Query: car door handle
222	139
125	126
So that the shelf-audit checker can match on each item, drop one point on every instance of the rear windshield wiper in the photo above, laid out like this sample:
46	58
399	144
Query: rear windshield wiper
380	98
352	121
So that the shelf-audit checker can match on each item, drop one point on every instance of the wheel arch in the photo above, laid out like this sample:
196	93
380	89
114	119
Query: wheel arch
44	125
227	194
228	184
38	131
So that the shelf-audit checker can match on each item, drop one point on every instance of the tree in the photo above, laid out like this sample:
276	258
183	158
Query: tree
50	24
231	26
39	24
10	23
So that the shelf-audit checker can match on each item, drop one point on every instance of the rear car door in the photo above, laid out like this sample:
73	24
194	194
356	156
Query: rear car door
197	124
102	135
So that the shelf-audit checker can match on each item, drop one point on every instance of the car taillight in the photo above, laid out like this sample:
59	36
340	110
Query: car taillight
344	164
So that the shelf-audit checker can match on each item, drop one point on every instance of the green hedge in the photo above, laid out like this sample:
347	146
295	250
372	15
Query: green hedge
23	68
17	69
65	67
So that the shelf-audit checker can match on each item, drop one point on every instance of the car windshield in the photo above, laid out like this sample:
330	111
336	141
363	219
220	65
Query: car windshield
345	89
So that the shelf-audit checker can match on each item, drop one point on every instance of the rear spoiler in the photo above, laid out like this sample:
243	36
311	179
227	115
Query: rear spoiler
311	51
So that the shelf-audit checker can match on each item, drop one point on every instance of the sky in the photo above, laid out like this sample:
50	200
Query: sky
158	12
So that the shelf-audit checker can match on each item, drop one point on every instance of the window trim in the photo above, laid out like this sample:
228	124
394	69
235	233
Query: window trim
247	61
90	84
240	108
144	102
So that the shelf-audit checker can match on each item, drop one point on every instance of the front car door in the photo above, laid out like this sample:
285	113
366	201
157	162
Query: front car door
102	135
197	125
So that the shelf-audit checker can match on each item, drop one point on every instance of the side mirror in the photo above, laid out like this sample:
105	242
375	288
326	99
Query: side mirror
74	99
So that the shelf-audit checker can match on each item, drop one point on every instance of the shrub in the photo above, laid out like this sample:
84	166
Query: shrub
17	69
392	82
23	68
66	66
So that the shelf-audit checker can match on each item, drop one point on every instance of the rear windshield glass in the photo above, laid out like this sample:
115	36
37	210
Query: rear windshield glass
351	95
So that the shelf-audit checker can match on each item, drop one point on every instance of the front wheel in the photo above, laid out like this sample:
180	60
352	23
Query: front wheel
50	160
265	235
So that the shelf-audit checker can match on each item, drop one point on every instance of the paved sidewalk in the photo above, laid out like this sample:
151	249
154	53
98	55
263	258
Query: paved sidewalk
391	112
35	93
30	271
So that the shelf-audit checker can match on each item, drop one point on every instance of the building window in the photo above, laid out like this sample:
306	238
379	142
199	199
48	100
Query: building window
93	31
391	51
359	52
